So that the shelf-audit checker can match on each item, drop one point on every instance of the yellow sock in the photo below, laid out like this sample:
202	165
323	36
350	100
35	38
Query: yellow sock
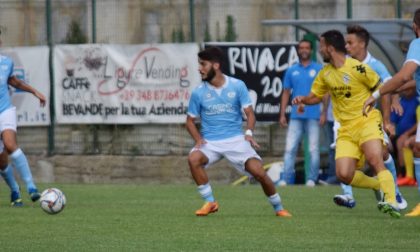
408	162
387	185
363	181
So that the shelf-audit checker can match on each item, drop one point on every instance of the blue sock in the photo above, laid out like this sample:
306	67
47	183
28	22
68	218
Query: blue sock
206	192
275	201
7	175
417	170
21	164
390	165
347	189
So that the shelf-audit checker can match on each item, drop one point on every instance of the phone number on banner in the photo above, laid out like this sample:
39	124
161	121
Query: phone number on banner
155	95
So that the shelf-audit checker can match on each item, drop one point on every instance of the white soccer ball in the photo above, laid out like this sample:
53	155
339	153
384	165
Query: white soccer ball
52	200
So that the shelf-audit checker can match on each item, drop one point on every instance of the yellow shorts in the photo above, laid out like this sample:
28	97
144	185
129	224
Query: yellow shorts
353	134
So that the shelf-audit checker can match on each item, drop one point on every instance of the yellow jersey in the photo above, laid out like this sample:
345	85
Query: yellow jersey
349	86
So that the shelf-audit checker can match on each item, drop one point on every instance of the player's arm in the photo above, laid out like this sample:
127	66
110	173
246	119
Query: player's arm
386	115
284	101
325	102
307	100
19	84
250	125
404	75
192	129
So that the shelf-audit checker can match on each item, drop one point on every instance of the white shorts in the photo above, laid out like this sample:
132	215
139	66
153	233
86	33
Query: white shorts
418	133
236	150
7	121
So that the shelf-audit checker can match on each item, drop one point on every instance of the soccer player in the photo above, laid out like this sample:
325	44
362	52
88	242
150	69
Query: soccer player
349	83
357	40
8	127
298	81
410	68
219	101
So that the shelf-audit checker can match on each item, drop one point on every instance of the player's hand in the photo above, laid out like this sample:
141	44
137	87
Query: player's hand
397	108
283	121
301	108
252	141
389	129
297	100
41	97
199	143
368	106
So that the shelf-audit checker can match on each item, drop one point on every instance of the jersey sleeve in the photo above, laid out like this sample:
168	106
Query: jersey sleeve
244	98
382	71
194	105
413	54
287	82
319	87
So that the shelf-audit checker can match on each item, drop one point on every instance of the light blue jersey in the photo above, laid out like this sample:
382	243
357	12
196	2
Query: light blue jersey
6	70
413	55
378	67
299	79
220	109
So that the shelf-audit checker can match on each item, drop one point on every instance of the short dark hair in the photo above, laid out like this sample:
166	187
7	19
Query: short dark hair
213	54
416	18
305	41
360	32
336	39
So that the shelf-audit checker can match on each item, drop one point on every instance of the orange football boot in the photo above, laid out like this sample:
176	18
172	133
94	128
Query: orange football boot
283	213
406	181
208	207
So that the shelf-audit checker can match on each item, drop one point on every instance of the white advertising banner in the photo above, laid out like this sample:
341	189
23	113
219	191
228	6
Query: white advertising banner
31	66
120	84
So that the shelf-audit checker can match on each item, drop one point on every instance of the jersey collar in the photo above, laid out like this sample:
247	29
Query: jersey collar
367	59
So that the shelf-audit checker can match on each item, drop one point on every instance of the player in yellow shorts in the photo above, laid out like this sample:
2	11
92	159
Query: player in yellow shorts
350	83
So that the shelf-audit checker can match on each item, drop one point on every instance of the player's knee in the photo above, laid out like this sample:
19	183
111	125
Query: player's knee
344	176
416	149
195	160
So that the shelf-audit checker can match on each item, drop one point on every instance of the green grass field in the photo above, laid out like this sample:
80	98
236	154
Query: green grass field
161	218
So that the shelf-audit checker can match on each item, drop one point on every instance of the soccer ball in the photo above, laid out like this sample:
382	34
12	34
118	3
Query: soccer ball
52	200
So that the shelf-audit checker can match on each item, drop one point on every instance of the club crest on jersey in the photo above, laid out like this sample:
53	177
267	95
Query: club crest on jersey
346	79
312	73
208	95
231	94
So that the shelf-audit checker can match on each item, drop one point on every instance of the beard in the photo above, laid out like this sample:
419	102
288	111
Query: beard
210	75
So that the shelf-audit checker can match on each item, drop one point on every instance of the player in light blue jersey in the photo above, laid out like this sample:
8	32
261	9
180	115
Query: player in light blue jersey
410	68
357	40
8	125
219	101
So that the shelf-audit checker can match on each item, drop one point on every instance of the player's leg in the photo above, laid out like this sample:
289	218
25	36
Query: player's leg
294	136
245	159
254	167
373	152
19	161
312	128
408	162
7	173
197	161
390	165
416	151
